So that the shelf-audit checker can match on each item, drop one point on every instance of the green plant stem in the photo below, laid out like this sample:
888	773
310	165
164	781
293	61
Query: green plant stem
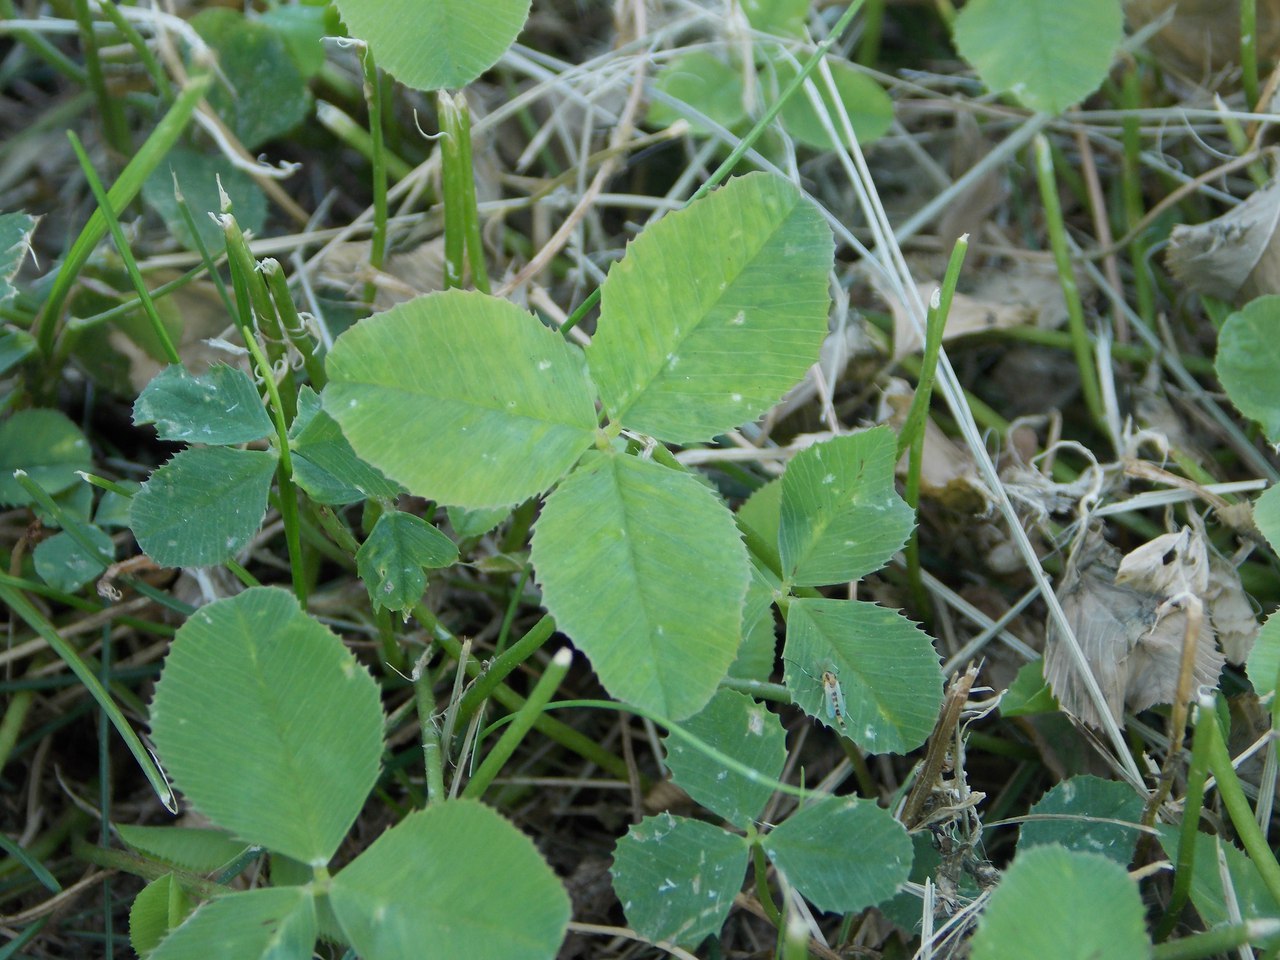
114	131
1066	277
242	275
122	247
342	126
1131	189
72	526
471	210
77	325
463	244
1249	51
121	194
501	666
913	429
135	40
45	50
206	258
1217	941
27	611
748	141
872	28
432	754
521	724
15	716
561	733
1236	803
760	868
292	324
378	160
1197	772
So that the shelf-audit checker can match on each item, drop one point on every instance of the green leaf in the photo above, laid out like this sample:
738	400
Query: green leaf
159	907
1263	666
324	464
391	560
199	176
782	18
1049	55
1216	898
222	407
841	517
1248	357
1029	694
618	549
843	855
271	923
744	729
761	515
303	29
1266	514
704	82
1086	800
113	508
65	565
463	398
48	446
759	647
885	665
714	311
197	849
677	878
468	524
203	506
15	346
15	242
430	44
458	877
869	108
263	95
1065	905
268	724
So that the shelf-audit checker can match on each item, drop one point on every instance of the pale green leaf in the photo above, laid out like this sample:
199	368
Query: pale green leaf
642	567
392	559
869	108
1061	904
48	446
198	849
65	565
271	923
430	44
759	647
1084	801
113	508
782	18
744	729
268	724
458	877
1028	694
1263	666
677	878
15	243
222	407
15	346
159	907
468	524
884	665
704	82
463	398
303	29
1218	897
841	517
714	311
844	855
199	176
324	465
260	92
1048	54
759	518
1248	358
1266	515
203	506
